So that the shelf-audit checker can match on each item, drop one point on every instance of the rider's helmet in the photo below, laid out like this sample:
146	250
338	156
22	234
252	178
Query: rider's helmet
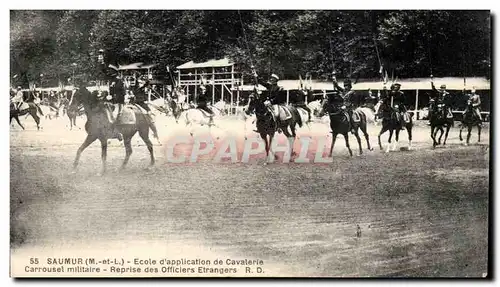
395	86
274	79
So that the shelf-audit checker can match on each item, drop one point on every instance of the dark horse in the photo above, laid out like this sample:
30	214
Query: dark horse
268	125
339	124
391	122
31	109
469	120
98	126
440	119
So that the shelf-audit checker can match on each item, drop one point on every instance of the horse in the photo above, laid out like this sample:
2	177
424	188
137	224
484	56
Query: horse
73	111
51	112
439	118
391	122
339	124
469	120
222	107
100	127
268	122
160	105
26	108
315	107
197	116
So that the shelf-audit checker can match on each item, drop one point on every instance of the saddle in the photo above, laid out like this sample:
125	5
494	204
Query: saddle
127	116
23	106
281	112
205	113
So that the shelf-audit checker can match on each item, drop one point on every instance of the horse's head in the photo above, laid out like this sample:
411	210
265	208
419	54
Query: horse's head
256	104
82	96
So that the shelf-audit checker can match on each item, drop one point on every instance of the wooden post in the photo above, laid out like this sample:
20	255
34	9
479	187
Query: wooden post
287	96
179	76
222	92
195	100
213	86
238	96
416	105
231	104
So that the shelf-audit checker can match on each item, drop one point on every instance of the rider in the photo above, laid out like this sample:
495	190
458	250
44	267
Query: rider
476	104
117	91
203	100
140	95
301	101
274	94
398	99
440	96
346	93
18	100
334	100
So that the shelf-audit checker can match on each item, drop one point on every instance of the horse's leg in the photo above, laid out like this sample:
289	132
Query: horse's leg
396	141
460	133
70	123
145	137
127	142
104	154
291	140
433	136
334	138
18	121
88	140
74	122
478	133
346	137
365	133
469	130
382	131
272	155
356	134
37	119
440	135
410	134
446	135
191	130
263	136
390	137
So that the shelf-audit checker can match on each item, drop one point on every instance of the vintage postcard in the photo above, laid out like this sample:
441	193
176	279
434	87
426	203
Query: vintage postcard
250	143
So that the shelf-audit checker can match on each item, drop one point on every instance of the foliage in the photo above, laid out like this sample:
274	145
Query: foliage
288	43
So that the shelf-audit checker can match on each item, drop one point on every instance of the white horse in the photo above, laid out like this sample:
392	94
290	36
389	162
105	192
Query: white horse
160	105
221	106
197	116
315	107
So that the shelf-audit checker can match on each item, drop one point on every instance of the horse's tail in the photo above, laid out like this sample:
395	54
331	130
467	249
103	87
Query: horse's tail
153	128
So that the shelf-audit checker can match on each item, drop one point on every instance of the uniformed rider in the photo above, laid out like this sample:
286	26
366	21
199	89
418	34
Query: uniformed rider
203	99
476	104
437	97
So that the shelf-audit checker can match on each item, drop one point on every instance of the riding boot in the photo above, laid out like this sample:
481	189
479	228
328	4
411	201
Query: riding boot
118	115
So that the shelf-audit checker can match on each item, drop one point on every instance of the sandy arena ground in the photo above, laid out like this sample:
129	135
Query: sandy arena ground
421	212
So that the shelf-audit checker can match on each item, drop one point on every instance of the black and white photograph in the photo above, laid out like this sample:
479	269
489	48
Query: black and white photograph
250	143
